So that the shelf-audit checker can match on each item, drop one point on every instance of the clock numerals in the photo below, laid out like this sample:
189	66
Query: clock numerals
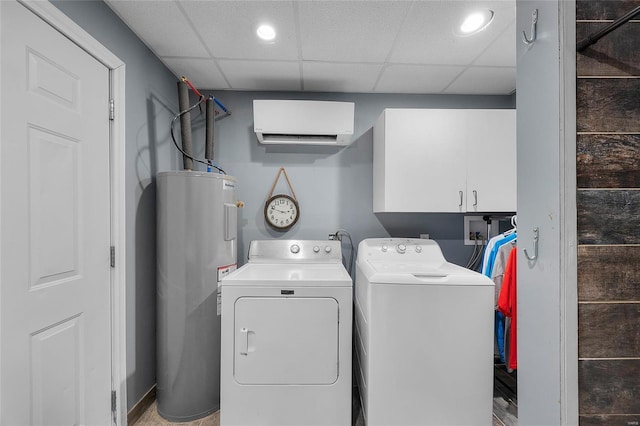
281	212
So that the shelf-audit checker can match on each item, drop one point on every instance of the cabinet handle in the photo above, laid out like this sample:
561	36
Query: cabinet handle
475	198
460	192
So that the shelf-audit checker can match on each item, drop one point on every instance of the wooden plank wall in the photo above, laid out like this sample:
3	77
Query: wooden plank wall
608	176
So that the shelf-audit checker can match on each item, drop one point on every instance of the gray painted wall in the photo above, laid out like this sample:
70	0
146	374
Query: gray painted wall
333	185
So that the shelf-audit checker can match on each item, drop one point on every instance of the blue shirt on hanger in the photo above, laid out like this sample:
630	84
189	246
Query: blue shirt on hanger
500	240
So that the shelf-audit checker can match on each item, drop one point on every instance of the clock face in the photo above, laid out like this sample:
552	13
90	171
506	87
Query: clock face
281	212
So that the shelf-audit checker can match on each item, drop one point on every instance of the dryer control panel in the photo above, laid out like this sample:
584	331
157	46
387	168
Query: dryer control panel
400	249
303	251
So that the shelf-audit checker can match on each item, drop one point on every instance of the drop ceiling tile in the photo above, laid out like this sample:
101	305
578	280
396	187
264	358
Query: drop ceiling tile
203	73
261	75
485	81
416	78
428	36
502	53
339	77
161	25
346	42
229	28
349	31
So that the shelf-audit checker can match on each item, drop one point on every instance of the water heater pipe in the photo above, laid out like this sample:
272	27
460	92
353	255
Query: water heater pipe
208	151
222	107
185	124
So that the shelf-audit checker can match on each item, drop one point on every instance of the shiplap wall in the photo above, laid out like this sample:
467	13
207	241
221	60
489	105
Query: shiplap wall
608	177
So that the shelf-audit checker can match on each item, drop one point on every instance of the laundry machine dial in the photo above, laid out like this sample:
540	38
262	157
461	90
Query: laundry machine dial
295	248
401	248
327	249
316	249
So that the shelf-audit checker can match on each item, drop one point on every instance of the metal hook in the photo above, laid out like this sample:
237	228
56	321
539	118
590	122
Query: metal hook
534	24
535	246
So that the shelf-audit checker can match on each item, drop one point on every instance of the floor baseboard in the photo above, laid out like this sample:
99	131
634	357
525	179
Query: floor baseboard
141	406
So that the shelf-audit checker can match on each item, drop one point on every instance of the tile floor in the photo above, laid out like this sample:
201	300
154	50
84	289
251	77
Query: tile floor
151	418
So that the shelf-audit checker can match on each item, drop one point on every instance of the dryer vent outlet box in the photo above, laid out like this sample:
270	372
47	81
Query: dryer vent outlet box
303	122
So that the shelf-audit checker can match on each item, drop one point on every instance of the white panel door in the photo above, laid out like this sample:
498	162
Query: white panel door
286	341
55	227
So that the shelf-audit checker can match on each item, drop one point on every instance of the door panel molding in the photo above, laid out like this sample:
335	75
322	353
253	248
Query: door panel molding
569	218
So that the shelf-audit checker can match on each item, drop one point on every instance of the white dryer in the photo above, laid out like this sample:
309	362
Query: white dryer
424	336
286	337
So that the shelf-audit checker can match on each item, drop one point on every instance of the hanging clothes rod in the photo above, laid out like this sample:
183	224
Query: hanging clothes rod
593	38
490	217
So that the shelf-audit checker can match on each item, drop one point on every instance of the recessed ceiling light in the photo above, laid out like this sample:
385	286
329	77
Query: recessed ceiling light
476	22
266	32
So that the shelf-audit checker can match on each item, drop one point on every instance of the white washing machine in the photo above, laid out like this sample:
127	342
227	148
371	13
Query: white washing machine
424	336
286	337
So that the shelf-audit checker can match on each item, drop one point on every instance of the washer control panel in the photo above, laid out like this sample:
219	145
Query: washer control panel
400	248
309	251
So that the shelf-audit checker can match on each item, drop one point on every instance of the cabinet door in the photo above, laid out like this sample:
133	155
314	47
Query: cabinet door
419	161
491	160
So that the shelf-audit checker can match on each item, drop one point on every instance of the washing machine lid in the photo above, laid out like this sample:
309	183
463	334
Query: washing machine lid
414	273
290	275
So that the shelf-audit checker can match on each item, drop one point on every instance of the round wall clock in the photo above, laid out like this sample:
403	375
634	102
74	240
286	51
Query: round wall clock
281	212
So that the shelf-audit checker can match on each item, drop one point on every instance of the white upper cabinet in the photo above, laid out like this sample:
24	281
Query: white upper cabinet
444	160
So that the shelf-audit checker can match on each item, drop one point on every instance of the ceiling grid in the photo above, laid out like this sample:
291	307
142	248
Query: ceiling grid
373	46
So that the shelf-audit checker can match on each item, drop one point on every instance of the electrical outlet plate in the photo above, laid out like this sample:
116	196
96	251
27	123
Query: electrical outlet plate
475	226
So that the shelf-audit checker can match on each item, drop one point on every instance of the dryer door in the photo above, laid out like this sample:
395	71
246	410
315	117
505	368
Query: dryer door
286	341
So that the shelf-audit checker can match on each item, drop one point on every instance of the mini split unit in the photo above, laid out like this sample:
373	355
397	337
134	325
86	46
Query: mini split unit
303	122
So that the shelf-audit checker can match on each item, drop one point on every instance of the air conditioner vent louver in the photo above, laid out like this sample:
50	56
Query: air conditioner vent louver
299	138
303	122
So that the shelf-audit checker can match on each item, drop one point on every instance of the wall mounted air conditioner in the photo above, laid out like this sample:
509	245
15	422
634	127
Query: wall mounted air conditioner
303	122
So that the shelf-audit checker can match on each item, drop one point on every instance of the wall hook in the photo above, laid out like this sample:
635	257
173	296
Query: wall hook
534	25
535	246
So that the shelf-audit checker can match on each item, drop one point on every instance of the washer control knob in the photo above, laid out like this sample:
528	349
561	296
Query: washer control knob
327	249
316	249
401	248
418	249
295	248
384	248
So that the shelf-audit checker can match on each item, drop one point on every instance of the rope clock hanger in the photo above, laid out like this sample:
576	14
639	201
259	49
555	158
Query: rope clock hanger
281	211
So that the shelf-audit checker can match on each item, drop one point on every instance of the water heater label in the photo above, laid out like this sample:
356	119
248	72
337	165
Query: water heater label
229	185
223	271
